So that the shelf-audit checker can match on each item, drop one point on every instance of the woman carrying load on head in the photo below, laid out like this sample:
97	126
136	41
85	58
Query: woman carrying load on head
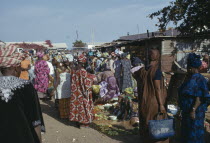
21	117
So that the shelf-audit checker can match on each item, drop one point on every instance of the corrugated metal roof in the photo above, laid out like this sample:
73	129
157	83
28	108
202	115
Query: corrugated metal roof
170	33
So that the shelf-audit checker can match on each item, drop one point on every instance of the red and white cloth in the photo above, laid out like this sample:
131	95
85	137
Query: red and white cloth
9	57
82	58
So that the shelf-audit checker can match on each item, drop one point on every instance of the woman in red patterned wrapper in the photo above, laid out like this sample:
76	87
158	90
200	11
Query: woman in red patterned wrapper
81	103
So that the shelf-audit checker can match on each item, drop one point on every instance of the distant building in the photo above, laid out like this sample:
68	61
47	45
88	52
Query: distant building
44	44
93	45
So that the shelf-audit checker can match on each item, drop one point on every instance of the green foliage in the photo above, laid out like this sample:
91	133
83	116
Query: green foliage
79	43
190	16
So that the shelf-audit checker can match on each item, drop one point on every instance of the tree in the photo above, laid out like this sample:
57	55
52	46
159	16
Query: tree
79	43
190	16
48	42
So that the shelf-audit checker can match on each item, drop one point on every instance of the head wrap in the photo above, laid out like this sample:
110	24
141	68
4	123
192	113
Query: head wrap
130	93
105	54
129	90
9	57
40	54
136	61
128	56
58	58
194	61
82	58
98	54
69	57
123	55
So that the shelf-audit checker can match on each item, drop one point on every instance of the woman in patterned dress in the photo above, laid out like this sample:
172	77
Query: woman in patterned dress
193	100
126	72
81	103
42	72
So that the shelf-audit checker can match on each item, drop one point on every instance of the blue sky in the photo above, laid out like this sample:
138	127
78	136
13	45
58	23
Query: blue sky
58	20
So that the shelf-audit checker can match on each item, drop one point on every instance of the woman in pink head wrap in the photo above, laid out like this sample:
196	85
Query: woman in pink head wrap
41	71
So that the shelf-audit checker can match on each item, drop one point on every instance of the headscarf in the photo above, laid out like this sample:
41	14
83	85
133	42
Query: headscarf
136	61
69	57
129	91
194	61
98	54
82	58
9	57
105	55
123	55
128	56
58	58
40	54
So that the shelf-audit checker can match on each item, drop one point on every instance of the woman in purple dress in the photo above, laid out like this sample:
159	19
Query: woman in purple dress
42	76
109	88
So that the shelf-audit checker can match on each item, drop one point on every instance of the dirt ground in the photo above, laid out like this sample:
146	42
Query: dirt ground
62	131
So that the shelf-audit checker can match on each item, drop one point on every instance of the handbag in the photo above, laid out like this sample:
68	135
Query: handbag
160	129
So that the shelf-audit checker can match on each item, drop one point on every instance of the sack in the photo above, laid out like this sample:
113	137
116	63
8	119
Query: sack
96	89
160	129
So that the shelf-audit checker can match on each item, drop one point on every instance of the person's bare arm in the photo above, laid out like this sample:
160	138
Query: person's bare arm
158	96
38	132
197	103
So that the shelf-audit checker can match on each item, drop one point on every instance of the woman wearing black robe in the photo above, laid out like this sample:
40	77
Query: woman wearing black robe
21	118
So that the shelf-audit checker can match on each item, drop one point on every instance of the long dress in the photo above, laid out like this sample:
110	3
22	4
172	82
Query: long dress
192	131
117	74
81	102
148	104
126	74
42	77
63	93
20	111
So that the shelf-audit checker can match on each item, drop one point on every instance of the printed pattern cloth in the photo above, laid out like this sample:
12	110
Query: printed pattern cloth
109	88
81	103
42	76
64	108
9	57
192	131
126	74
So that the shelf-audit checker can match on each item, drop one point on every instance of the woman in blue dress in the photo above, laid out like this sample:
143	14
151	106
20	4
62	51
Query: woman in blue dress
193	101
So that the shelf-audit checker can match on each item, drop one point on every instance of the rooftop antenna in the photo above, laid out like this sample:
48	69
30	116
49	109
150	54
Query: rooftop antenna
138	28
92	36
77	35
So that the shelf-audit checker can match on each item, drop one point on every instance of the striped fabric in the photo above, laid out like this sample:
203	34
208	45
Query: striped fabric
9	57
